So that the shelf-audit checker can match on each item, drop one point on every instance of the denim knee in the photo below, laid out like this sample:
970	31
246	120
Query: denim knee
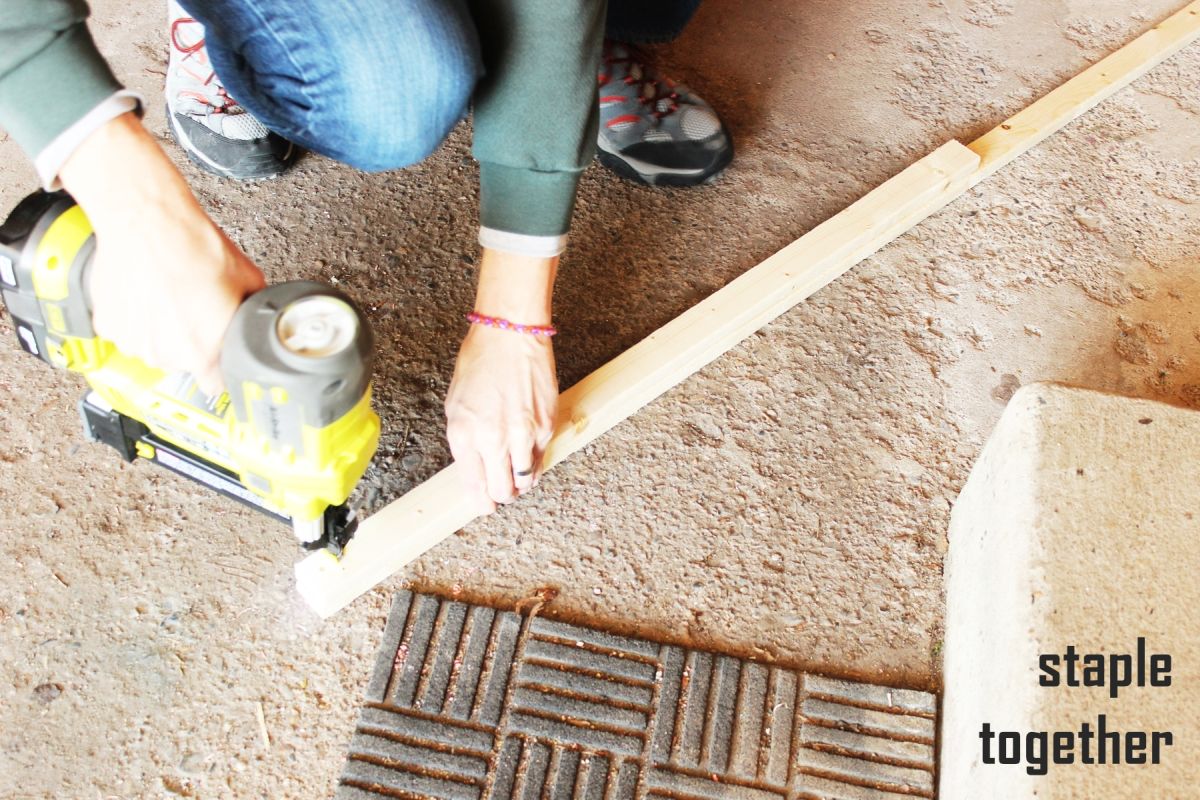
396	115
378	88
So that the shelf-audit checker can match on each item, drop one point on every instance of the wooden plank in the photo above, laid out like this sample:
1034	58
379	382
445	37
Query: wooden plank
1024	130
437	508
715	325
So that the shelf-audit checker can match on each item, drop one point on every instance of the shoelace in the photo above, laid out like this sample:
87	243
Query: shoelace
650	87
219	101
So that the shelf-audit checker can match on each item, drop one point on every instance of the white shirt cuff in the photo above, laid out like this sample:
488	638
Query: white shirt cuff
54	155
522	244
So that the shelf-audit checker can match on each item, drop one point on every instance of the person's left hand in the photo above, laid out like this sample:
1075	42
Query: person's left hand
500	411
501	407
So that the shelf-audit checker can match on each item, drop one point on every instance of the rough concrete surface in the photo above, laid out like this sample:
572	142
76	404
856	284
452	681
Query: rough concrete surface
1057	540
788	503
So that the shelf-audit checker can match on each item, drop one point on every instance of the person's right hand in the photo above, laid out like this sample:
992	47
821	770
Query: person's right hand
165	280
166	290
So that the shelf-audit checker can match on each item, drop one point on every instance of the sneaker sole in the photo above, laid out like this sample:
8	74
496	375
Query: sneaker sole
650	175
275	166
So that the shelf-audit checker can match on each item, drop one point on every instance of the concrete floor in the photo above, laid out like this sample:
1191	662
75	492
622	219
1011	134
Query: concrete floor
788	503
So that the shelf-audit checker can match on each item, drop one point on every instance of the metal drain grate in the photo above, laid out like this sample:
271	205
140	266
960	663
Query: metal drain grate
471	703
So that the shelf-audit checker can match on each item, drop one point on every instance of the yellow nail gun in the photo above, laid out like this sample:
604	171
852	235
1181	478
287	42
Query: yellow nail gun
292	434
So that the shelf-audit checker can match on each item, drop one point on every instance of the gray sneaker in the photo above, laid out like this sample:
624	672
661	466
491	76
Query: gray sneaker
654	130
218	134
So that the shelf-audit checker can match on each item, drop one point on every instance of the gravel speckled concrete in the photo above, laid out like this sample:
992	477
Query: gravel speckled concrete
790	502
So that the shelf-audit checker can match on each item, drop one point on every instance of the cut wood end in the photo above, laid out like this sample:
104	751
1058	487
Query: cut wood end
321	605
313	575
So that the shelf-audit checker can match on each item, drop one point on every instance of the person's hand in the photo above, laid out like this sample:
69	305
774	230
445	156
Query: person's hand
502	402
165	292
165	281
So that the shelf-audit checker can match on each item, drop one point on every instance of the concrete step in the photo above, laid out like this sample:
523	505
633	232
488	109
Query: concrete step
1078	528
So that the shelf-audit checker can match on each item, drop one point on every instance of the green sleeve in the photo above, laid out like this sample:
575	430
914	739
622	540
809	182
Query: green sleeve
535	109
51	74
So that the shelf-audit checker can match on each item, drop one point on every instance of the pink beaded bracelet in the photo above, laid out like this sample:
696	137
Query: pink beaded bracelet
476	318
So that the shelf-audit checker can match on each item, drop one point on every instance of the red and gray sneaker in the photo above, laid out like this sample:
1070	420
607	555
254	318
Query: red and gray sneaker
218	134
654	130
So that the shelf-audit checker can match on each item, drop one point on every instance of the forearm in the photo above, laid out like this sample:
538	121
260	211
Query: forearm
516	287
118	174
53	79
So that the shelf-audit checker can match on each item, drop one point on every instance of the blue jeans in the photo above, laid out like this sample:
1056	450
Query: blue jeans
377	84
